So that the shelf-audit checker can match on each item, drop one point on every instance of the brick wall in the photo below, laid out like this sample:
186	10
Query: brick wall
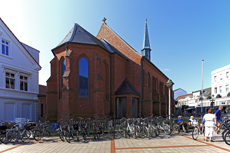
106	73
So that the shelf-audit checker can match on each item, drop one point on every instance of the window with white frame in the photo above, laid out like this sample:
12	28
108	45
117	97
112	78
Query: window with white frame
215	90
227	88
220	89
227	74
5	47
220	76
10	80
214	78
23	83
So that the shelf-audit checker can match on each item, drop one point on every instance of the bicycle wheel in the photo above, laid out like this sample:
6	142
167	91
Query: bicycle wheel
12	136
94	135
46	133
128	134
145	132
117	135
125	133
195	133
29	134
61	136
98	136
37	135
227	137
223	133
167	129
134	134
152	132
156	130
68	136
2	139
84	137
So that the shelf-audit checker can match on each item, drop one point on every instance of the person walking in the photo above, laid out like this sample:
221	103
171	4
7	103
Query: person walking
218	117
209	125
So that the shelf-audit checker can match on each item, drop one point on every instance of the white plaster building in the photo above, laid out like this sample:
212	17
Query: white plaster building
193	99
19	69
178	92
220	85
183	100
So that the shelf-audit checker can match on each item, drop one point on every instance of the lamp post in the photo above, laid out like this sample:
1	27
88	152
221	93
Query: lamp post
169	84
202	89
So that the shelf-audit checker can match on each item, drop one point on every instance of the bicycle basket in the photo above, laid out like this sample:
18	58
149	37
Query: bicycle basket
75	126
29	125
194	123
3	127
9	124
166	121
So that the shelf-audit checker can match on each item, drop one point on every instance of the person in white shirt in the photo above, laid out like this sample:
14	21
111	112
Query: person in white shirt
209	124
192	121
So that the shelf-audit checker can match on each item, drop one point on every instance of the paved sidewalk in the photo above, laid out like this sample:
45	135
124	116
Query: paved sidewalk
160	144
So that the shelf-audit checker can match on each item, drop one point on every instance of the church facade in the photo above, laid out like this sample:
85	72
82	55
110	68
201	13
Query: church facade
104	76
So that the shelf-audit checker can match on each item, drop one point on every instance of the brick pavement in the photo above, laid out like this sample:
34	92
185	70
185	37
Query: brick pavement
161	144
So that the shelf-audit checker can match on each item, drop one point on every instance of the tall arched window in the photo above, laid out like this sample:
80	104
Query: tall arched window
63	66
83	78
149	80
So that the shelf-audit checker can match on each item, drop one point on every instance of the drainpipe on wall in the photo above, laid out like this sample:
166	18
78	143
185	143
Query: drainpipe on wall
66	47
142	92
111	85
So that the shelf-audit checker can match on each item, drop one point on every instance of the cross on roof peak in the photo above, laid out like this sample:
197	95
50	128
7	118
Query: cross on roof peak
104	19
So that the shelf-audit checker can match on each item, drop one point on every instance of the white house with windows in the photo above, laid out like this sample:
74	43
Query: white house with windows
194	99
19	69
220	85
178	92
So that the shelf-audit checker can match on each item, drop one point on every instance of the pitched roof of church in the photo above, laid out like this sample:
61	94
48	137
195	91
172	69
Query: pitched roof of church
79	35
112	49
126	88
127	44
146	44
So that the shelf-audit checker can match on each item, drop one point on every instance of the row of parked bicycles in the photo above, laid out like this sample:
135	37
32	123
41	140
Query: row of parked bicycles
77	129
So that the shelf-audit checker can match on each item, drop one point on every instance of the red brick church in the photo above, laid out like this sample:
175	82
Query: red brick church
103	76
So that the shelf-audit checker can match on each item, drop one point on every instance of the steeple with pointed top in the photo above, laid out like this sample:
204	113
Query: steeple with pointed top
146	45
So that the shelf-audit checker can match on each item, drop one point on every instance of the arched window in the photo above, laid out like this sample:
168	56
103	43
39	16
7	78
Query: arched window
83	78
63	66
149	80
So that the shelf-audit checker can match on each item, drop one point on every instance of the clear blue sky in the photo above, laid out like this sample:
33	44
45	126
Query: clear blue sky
182	32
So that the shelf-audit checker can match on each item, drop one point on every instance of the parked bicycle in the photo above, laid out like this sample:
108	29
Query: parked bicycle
16	133
42	131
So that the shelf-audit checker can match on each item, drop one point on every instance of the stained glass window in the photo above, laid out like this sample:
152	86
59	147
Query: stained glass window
83	78
63	67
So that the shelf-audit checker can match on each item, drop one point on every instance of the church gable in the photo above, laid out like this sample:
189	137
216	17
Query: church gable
120	44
